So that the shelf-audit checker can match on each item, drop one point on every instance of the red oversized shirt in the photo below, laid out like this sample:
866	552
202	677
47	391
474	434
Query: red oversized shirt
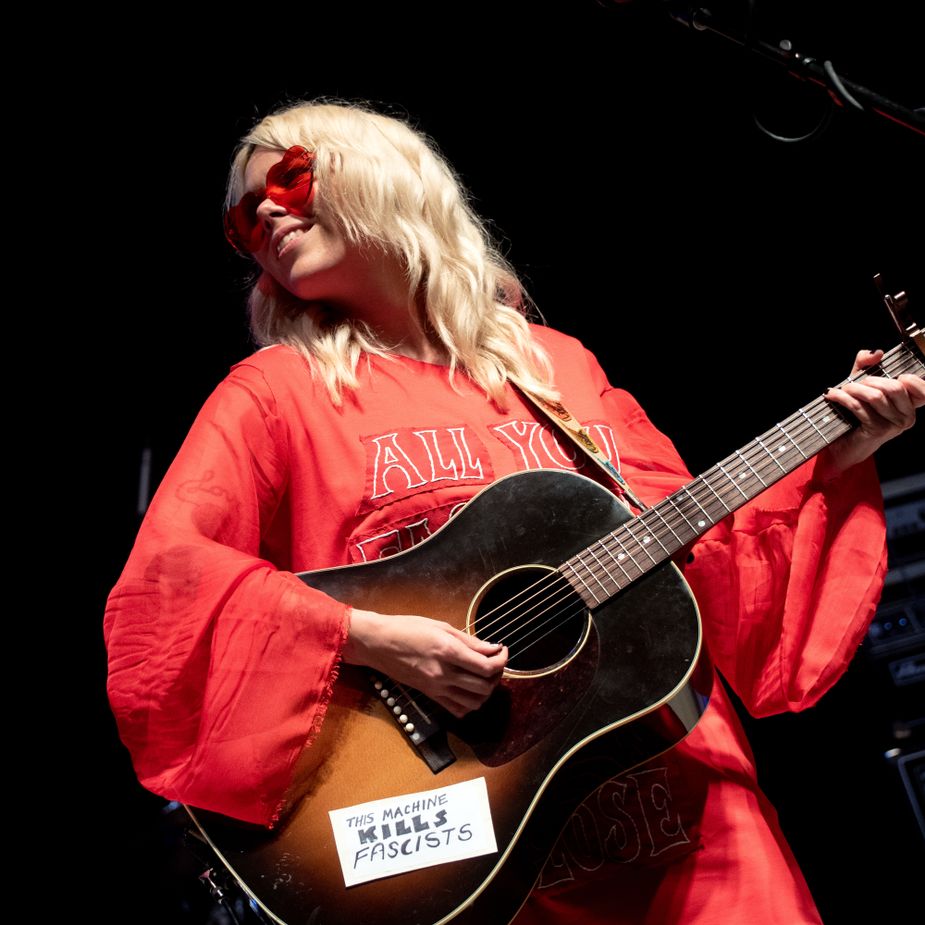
222	662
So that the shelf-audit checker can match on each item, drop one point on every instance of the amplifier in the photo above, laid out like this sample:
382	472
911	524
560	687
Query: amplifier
897	634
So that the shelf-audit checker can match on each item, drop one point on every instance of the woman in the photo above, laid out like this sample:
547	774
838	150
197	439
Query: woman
389	391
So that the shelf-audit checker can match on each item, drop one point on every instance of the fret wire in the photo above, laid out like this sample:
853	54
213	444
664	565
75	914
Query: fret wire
770	464
590	551
616	559
772	439
809	420
798	429
723	503
758	457
757	466
907	365
589	570
820	417
835	423
797	432
828	418
728	487
708	517
677	506
806	431
806	427
657	513
787	459
654	531
810	426
647	520
748	465
578	576
792	441
772	468
900	356
625	551
643	546
911	362
734	483
770	454
678	542
705	519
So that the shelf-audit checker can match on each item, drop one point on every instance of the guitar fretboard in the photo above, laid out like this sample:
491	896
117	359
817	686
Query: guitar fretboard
620	557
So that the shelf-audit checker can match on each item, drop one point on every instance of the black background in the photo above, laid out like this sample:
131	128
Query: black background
721	276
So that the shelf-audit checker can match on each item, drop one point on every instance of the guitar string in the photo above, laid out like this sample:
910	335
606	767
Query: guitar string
758	460
540	586
567	615
766	468
519	644
805	433
576	612
740	463
594	571
794	429
716	493
767	464
566	596
405	703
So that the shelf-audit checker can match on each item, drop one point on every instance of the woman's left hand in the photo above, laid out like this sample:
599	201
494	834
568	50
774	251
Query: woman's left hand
883	407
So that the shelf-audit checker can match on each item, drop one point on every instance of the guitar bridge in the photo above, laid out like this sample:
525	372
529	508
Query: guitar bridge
414	714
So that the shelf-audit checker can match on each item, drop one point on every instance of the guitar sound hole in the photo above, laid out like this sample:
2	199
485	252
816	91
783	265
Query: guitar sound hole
536	614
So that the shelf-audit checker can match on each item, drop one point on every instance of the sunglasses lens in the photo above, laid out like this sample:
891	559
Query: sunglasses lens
290	183
242	228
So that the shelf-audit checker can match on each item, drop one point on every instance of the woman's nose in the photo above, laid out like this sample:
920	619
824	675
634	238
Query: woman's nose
268	209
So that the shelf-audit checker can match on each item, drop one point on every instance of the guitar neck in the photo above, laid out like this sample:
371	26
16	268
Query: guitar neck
619	558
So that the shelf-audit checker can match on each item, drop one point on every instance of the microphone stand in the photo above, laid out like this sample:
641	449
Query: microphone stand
844	92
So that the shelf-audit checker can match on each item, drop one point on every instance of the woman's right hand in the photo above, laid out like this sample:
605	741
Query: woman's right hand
454	669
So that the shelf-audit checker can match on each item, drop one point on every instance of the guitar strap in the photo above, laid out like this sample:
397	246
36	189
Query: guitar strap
563	419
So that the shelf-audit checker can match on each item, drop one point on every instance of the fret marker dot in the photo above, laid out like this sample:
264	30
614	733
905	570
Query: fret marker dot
701	523
826	419
741	475
621	556
781	448
645	539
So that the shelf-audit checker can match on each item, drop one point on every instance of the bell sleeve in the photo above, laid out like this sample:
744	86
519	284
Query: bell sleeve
220	665
788	584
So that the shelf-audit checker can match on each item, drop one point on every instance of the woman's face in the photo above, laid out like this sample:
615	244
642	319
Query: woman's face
307	255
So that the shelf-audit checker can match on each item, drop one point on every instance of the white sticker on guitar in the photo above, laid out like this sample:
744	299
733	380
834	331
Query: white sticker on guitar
398	834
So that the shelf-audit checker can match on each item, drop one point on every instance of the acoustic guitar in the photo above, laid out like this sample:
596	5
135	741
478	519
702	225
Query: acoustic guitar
412	817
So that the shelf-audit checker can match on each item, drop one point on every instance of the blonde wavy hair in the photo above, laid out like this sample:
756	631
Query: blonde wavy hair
386	185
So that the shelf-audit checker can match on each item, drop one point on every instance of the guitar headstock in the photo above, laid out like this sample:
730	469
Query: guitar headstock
898	307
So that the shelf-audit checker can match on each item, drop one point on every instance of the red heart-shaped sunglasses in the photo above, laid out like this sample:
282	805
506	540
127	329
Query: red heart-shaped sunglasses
289	183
